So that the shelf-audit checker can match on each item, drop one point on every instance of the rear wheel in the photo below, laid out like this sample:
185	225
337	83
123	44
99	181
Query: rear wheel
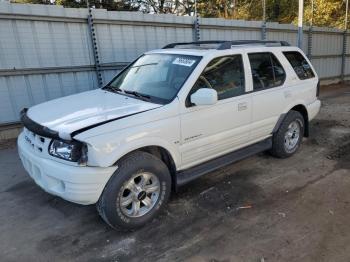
287	139
136	192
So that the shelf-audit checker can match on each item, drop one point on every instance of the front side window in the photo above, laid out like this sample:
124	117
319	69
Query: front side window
156	77
267	71
299	64
225	75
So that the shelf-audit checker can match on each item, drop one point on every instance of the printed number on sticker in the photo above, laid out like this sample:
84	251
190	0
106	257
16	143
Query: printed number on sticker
183	61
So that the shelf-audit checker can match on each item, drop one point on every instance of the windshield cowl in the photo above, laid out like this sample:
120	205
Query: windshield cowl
133	94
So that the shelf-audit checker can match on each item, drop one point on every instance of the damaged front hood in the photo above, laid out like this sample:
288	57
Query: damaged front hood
81	111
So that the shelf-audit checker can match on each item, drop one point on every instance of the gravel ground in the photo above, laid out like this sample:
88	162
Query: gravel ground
260	209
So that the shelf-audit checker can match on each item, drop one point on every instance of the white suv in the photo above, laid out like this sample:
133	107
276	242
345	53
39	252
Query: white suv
171	116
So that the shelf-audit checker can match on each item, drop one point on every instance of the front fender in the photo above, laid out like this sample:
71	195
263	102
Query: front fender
105	154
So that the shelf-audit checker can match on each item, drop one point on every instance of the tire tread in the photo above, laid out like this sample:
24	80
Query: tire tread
123	165
278	149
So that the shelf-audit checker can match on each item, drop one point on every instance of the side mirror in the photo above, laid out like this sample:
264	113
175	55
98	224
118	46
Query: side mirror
204	96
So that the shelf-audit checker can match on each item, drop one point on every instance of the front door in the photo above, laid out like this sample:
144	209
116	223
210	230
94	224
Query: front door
213	130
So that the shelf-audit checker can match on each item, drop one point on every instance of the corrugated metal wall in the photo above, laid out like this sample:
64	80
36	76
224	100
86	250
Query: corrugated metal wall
327	48
39	49
46	51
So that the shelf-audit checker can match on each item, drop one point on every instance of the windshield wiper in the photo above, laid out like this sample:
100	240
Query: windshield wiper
113	88
134	93
137	94
144	65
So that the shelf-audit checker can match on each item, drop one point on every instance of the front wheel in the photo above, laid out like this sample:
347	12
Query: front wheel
287	139
136	192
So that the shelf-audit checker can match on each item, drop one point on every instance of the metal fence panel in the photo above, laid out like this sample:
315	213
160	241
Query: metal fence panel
327	68
327	44
214	29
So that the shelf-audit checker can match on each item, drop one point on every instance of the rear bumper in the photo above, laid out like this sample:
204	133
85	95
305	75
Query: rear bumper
313	109
78	184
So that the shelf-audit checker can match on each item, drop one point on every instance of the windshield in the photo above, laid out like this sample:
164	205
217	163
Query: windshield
156	77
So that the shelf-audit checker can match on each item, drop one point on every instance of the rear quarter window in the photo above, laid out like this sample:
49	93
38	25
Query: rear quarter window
301	67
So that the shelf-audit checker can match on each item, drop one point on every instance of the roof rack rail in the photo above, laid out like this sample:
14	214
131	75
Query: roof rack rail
222	45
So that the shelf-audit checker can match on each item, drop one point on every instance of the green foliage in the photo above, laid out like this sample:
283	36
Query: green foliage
326	13
111	5
276	10
329	13
43	2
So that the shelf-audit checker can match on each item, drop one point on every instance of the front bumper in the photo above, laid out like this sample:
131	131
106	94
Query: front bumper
78	184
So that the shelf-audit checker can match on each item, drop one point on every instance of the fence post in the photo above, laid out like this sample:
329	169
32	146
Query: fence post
343	58
263	26
309	43
263	30
94	47
196	28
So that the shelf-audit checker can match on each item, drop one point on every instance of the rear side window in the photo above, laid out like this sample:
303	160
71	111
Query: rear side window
225	75
299	64
267	71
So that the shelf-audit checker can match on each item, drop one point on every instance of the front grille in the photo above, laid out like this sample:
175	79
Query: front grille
36	142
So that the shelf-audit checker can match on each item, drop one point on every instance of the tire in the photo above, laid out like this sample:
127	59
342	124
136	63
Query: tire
126	183
280	138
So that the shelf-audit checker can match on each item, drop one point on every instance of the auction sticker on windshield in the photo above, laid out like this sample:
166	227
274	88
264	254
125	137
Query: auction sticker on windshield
184	61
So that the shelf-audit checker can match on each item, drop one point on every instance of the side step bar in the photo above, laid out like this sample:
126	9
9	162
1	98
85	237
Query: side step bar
185	176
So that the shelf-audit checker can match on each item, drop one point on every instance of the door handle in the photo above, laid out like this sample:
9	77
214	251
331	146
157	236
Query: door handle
242	106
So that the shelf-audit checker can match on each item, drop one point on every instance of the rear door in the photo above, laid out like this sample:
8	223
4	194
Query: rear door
211	131
269	95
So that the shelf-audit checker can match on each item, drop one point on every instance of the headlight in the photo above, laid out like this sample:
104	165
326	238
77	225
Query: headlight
69	150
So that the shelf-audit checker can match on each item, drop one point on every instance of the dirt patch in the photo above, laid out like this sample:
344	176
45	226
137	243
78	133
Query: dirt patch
237	190
342	155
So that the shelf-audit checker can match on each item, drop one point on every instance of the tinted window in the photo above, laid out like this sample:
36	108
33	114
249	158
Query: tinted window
225	75
266	70
299	64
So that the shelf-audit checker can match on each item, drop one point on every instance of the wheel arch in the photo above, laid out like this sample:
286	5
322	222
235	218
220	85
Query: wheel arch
161	153
303	111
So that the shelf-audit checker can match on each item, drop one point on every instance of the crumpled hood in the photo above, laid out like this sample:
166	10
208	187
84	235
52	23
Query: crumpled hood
68	114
